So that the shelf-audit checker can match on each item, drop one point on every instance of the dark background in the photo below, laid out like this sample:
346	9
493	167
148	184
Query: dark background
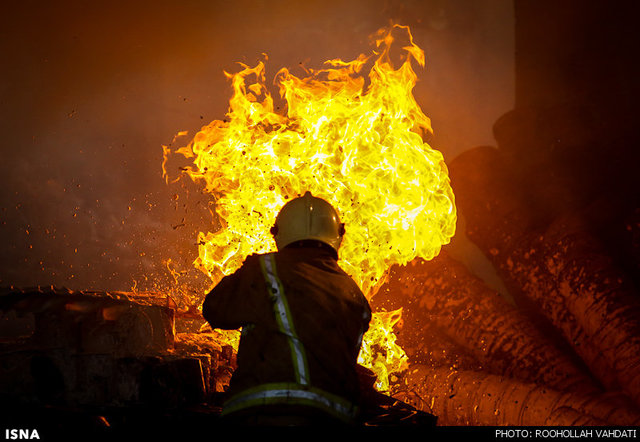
90	91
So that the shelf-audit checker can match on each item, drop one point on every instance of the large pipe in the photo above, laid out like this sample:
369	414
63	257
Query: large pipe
559	267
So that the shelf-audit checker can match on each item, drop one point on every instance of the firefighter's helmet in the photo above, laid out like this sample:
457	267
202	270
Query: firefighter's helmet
308	218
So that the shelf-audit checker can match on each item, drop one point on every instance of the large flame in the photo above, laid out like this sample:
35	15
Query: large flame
358	146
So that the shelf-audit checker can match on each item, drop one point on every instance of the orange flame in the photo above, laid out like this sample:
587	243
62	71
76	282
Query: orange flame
359	147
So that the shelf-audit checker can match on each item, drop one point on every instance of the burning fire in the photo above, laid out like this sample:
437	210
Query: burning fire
357	145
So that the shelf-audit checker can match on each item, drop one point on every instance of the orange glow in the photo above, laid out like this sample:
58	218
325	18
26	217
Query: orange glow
357	145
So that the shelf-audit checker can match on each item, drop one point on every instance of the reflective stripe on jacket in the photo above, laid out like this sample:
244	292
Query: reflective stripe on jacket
302	322
292	394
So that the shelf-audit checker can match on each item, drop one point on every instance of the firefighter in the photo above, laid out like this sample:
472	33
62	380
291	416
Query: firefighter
302	320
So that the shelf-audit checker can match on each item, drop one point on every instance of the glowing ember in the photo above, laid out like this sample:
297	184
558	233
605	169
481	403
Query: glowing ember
359	147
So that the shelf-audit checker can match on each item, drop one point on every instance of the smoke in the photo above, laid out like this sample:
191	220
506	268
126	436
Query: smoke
92	90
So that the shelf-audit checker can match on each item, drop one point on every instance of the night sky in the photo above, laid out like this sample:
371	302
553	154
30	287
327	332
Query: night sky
91	91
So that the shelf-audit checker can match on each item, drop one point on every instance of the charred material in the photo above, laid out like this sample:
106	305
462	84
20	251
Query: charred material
103	357
560	269
488	363
462	397
442	293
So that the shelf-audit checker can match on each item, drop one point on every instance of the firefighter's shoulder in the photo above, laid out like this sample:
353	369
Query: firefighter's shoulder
253	258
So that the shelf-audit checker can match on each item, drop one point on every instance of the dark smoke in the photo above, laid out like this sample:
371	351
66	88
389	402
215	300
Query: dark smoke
90	92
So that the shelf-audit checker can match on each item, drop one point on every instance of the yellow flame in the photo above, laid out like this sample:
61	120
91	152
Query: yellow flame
357	145
379	352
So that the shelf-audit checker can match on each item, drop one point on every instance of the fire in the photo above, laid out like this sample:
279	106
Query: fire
357	145
379	352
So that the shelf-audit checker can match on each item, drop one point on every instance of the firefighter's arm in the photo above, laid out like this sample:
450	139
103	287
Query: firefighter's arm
220	307
366	315
364	321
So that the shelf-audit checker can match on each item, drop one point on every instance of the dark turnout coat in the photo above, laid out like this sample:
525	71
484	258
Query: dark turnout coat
302	320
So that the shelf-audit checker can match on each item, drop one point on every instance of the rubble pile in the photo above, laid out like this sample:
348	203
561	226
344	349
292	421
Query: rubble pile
104	352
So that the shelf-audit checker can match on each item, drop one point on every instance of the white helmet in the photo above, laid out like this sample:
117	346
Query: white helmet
308	218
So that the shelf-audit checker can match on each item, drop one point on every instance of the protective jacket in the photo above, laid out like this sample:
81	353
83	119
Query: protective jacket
302	320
